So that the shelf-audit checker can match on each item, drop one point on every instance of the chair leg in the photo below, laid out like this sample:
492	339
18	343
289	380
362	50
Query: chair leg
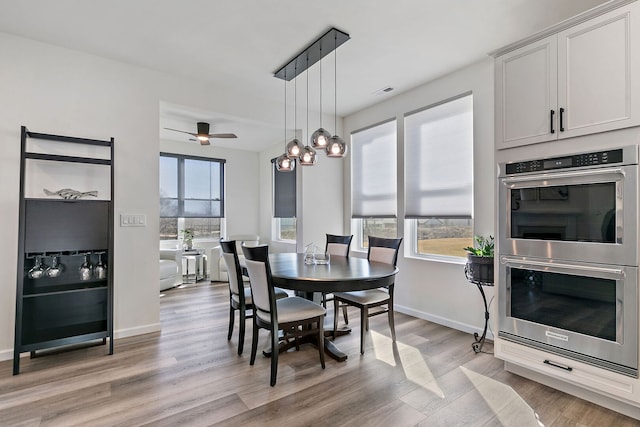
243	324
336	303
254	342
232	316
274	356
364	316
344	314
321	340
392	322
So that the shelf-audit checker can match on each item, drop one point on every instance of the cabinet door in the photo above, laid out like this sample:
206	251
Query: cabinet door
526	94
598	73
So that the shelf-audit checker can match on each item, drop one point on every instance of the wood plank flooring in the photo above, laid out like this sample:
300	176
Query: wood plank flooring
190	375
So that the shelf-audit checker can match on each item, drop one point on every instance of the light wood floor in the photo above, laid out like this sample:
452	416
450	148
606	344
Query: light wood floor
190	375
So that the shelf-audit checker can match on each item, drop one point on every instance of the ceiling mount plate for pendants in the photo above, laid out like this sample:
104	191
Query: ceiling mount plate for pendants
325	44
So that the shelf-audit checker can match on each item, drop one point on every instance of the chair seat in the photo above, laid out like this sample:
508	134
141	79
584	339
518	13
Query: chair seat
294	309
370	296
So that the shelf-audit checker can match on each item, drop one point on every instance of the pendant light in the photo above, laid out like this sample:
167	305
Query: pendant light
294	148
308	154
320	138
336	147
283	162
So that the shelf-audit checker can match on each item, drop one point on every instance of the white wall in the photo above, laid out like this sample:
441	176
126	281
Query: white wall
431	290
59	91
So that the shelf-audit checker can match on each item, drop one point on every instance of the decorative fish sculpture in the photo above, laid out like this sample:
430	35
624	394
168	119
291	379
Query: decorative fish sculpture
70	194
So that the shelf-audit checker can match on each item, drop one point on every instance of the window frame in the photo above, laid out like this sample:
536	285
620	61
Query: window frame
180	181
181	185
276	225
411	223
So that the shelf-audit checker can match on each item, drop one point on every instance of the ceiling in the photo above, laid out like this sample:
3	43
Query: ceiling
241	43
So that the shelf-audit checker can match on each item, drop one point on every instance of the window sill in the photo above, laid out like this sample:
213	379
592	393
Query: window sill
443	259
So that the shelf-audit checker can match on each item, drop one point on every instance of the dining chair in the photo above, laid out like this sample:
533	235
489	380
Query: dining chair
339	246
296	317
380	250
239	295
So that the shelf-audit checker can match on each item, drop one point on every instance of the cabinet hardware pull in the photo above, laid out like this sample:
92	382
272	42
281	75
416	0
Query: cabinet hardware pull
557	365
561	119
551	121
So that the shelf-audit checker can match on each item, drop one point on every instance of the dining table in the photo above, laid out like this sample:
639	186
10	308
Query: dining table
341	274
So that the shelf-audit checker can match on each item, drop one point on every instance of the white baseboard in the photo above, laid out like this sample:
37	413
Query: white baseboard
120	333
138	330
442	321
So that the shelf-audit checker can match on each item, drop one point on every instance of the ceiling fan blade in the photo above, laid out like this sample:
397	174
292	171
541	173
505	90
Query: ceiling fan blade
181	131
223	135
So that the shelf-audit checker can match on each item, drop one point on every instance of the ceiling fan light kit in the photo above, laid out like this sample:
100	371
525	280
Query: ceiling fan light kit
321	139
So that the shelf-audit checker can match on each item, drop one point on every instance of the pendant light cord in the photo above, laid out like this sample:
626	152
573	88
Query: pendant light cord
307	73
320	84
335	83
285	110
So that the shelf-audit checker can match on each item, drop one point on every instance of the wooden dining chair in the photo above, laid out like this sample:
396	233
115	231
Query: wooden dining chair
239	295
296	317
380	250
337	246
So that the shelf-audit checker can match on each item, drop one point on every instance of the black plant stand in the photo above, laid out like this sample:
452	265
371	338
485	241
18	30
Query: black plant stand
472	274
479	340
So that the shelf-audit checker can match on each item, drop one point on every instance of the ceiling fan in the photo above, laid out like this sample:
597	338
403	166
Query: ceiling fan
203	134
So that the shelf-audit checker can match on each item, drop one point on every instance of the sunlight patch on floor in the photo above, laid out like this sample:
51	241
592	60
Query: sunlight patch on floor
509	407
415	368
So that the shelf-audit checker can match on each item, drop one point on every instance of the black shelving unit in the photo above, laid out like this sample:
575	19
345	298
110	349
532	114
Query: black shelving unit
57	311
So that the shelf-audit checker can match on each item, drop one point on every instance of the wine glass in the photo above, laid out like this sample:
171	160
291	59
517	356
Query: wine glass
55	269
38	269
100	269
85	269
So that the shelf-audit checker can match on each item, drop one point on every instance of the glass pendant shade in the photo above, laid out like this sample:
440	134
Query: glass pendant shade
320	139
336	147
285	164
294	148
308	156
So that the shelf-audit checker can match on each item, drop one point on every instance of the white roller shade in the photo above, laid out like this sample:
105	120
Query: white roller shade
373	172
439	160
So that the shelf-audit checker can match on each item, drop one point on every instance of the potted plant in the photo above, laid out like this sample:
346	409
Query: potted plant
479	267
187	238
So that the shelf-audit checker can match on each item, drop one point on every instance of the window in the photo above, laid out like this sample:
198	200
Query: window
191	195
284	204
374	182
439	177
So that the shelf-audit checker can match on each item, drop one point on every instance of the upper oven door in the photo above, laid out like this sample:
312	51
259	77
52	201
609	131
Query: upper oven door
586	215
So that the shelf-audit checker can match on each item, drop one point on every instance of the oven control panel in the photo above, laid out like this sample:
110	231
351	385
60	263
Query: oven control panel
573	161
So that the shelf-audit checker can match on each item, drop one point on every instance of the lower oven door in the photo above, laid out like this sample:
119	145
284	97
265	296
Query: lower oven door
588	312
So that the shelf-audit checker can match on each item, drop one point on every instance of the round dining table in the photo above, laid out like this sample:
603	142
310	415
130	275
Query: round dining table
342	274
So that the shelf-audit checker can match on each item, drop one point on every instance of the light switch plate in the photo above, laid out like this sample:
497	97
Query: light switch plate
133	220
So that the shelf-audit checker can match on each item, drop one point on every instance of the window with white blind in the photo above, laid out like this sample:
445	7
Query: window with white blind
284	204
439	177
191	195
374	182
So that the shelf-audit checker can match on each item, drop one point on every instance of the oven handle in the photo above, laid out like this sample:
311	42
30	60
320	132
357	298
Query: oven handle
564	175
583	268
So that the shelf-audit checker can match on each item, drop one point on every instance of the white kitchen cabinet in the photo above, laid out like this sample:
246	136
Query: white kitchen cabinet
583	79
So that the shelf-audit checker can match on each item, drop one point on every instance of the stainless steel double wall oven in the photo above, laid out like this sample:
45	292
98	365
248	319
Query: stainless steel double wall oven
568	256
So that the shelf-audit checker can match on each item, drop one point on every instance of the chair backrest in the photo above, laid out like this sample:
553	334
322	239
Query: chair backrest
244	240
257	261
384	250
230	255
338	245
